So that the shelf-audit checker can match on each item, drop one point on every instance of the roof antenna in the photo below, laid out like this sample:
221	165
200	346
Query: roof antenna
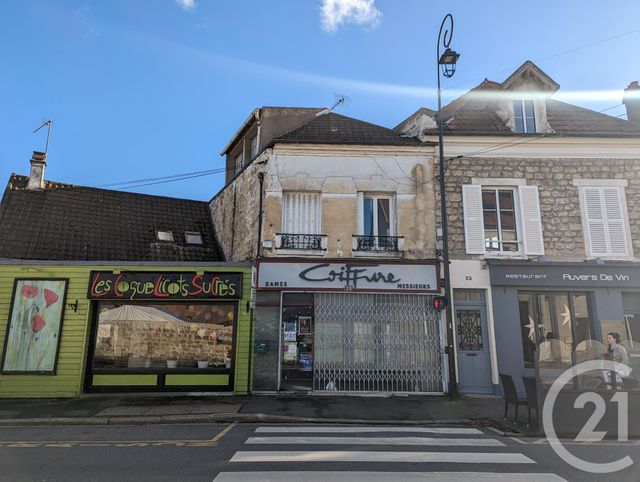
48	123
339	100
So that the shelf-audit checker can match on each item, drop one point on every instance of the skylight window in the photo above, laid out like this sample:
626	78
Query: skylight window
164	235
193	237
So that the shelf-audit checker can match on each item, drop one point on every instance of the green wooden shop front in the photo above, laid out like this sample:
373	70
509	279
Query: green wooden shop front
69	328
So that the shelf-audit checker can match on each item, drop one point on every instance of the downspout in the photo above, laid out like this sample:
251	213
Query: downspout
261	179
251	325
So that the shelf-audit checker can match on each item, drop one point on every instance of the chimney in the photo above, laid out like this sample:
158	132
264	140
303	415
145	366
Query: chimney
631	100
36	174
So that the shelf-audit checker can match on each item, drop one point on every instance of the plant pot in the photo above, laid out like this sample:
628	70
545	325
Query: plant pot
227	362
203	363
135	362
172	363
147	363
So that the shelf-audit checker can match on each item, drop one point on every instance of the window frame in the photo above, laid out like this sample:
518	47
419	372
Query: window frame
238	165
285	195
253	146
392	214
516	219
523	106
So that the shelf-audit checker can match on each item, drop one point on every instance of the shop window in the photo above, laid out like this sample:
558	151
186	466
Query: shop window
554	324
153	336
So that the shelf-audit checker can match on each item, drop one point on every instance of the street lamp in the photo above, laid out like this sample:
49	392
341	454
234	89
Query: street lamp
448	63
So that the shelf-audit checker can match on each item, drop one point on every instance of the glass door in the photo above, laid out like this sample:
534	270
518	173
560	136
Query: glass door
296	333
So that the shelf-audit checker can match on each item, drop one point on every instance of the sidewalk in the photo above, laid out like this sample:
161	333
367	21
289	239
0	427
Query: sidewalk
155	409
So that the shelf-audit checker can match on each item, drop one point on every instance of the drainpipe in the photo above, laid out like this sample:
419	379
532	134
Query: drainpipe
261	179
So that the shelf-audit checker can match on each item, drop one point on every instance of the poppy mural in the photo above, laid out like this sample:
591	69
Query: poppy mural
35	321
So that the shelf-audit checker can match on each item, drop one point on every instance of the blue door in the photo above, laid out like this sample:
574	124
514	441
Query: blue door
474	362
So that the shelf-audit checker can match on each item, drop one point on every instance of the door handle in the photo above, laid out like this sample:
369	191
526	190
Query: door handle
472	354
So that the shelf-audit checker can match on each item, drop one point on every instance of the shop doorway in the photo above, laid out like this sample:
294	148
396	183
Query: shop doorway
368	342
474	361
296	341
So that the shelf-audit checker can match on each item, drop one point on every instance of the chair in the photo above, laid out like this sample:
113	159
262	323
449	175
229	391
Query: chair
532	397
510	395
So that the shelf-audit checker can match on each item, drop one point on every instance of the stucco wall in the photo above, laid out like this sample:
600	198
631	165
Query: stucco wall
339	176
559	198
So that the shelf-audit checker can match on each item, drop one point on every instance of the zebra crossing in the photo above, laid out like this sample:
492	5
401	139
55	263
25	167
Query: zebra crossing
405	454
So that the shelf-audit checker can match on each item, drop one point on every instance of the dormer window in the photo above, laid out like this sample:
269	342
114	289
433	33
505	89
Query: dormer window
524	116
193	237
164	235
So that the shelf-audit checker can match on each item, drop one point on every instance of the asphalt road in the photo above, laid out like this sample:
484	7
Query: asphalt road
226	453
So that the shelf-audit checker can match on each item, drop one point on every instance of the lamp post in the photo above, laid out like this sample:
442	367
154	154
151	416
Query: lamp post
448	63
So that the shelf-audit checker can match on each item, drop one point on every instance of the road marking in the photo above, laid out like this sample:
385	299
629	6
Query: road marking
455	442
224	432
351	456
66	444
312	429
382	476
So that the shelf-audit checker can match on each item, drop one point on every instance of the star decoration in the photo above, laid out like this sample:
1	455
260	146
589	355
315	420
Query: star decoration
566	316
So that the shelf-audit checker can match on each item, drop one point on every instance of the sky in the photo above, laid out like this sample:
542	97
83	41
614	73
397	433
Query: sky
143	89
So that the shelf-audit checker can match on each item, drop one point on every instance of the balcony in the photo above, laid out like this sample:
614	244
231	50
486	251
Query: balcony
377	245
301	242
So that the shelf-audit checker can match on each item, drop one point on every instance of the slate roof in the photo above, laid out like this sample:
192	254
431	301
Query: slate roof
332	128
76	223
478	113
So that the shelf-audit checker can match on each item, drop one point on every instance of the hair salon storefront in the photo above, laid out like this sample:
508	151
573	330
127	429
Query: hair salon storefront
574	303
349	326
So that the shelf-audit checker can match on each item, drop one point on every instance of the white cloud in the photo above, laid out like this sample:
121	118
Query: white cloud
187	5
335	13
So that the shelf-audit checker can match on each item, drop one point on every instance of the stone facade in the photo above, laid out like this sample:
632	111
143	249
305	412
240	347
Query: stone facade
559	197
235	215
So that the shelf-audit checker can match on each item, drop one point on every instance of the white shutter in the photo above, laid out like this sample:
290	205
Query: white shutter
616	228
595	221
533	241
301	213
473	218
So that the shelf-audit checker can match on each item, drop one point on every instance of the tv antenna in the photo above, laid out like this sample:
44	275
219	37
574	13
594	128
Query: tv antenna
48	123
340	99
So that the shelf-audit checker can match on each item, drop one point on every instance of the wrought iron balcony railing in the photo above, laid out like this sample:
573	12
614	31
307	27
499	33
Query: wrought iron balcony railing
301	241
390	244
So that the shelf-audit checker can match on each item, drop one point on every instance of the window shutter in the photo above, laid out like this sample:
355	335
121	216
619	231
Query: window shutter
596	229
301	213
616	229
473	220
532	239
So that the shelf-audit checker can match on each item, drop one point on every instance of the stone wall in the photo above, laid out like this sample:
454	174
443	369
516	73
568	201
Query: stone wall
235	215
559	198
127	343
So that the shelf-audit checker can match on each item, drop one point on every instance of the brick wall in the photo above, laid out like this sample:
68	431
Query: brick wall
559	198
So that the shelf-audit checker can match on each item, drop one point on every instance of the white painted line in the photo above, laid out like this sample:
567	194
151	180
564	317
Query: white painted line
453	442
383	476
381	429
353	456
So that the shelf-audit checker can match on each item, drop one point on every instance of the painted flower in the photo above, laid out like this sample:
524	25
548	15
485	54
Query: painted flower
29	291
50	297
37	323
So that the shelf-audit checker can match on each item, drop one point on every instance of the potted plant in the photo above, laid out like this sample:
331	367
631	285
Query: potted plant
172	361
203	363
227	359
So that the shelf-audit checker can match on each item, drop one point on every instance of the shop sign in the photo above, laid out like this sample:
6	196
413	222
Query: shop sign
587	275
350	276
131	285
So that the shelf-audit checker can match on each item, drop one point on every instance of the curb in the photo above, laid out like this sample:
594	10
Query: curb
234	417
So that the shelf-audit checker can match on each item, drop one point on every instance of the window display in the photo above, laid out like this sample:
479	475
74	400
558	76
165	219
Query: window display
139	336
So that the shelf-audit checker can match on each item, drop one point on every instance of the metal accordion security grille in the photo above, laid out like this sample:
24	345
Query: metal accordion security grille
377	343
